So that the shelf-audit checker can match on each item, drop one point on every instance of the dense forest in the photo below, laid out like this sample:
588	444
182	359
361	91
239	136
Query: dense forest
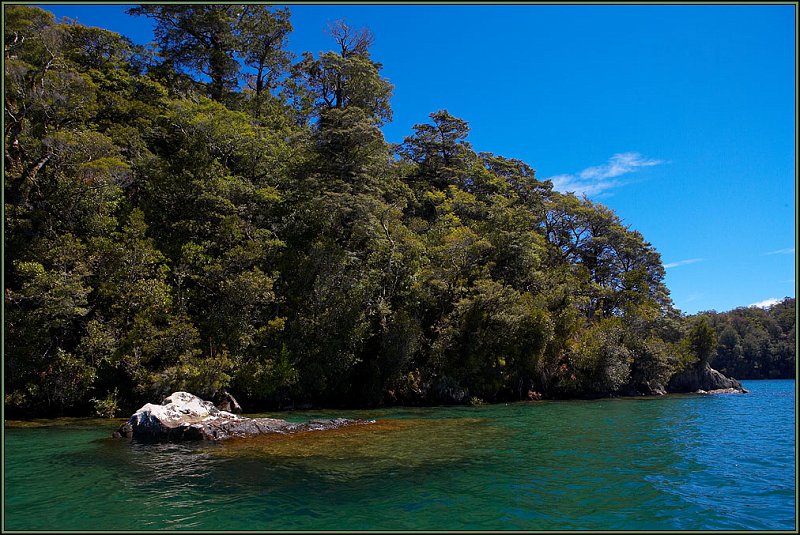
756	343
215	213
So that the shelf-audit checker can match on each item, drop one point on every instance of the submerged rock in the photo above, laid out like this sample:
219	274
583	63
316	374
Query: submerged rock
184	416
704	379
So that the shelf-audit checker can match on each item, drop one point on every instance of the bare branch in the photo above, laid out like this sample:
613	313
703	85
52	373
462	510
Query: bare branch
351	41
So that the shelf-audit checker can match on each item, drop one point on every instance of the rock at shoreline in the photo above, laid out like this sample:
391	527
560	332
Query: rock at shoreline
722	391
704	379
184	416
229	403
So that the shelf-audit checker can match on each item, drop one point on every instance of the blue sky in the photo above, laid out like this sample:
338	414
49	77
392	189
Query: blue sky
681	118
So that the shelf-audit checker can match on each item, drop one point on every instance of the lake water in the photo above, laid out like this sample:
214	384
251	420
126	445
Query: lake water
681	462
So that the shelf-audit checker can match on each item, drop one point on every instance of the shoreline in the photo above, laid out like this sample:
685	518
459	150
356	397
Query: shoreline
46	420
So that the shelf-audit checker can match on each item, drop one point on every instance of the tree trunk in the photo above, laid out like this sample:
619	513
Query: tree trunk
259	90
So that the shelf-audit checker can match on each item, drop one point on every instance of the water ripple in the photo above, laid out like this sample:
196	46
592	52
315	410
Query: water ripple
677	463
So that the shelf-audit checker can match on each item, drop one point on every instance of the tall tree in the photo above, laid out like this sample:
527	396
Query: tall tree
702	339
439	149
200	38
263	34
344	78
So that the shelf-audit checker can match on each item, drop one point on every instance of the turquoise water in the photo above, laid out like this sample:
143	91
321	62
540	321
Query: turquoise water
678	463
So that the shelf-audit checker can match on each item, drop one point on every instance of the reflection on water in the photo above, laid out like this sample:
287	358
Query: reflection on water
163	462
683	462
387	445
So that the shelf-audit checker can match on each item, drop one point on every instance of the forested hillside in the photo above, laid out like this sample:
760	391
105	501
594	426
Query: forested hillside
216	213
754	343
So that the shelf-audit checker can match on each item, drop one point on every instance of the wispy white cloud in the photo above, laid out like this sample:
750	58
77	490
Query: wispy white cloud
766	303
790	250
617	165
683	262
601	178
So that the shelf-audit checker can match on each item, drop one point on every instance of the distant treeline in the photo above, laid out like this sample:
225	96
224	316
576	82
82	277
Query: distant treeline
215	213
756	343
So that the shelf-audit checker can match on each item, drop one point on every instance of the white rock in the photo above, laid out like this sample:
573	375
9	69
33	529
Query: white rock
180	408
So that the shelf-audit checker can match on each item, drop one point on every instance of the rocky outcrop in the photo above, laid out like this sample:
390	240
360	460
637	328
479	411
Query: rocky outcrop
448	391
643	388
228	403
705	380
184	416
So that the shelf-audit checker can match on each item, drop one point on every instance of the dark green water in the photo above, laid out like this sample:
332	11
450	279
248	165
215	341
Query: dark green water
679	463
